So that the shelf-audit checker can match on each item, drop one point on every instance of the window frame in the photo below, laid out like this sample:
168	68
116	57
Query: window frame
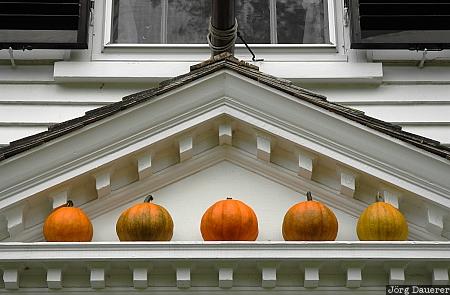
103	49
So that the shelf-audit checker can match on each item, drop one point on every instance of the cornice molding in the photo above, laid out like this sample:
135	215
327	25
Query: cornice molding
271	251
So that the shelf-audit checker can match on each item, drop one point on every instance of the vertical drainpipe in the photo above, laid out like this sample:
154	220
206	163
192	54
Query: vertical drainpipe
223	27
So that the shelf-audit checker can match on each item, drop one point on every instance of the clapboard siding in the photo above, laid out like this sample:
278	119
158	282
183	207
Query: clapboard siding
11	132
68	93
41	114
385	93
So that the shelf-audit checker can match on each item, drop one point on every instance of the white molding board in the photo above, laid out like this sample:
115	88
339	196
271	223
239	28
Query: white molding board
260	251
311	72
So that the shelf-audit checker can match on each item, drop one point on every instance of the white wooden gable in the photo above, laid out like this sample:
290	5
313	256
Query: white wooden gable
224	117
222	135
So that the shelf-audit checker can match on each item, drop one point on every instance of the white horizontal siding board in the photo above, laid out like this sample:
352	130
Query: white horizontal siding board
26	73
118	71
325	71
385	93
41	113
69	93
407	113
12	133
439	133
413	74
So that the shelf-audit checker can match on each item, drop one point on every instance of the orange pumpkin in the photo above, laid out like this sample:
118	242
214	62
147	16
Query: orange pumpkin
309	221
382	222
68	224
145	222
229	220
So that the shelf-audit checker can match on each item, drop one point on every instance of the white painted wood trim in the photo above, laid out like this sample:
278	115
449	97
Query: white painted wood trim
262	251
391	197
435	219
354	277
103	183
396	276
225	134
97	278
336	72
11	279
263	148
183	274
140	278
348	182
186	148
268	274
14	217
226	277
305	164
59	198
54	278
312	278
144	165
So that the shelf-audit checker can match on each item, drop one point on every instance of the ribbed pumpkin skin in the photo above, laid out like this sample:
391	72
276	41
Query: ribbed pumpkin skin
229	220
68	224
382	222
145	222
309	221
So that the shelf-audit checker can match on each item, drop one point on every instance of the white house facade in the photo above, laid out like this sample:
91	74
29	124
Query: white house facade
107	126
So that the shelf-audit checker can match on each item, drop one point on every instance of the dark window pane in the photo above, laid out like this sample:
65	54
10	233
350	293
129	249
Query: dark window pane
254	20
302	22
187	21
136	21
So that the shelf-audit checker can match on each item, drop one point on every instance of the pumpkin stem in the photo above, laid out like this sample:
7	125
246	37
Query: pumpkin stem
148	199
380	197
309	196
229	198
69	203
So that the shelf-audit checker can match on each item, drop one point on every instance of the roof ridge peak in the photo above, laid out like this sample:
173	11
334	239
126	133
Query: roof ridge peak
225	57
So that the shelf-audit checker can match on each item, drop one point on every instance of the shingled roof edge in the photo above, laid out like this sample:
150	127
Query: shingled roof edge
222	61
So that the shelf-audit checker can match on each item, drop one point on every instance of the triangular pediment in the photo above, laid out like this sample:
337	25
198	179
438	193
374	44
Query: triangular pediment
223	116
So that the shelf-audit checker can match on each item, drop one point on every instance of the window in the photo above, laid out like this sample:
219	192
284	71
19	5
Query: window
186	22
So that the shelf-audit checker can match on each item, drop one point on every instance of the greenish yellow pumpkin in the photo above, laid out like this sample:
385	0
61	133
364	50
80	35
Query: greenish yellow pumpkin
145	222
382	222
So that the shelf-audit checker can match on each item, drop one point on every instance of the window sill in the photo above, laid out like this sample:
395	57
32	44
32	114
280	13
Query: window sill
303	72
